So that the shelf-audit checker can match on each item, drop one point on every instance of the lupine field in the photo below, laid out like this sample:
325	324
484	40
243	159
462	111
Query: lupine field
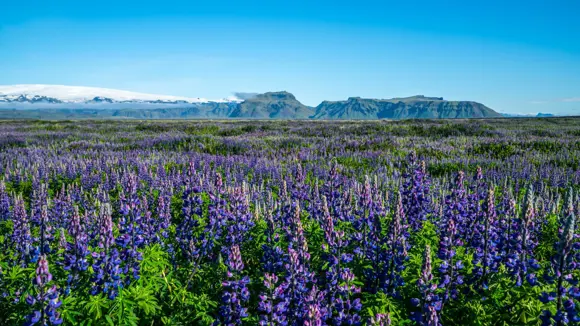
463	222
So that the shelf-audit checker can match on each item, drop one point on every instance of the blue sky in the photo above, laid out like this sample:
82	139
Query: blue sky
514	56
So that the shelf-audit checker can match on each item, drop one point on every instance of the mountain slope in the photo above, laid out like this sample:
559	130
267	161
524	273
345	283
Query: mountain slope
272	105
415	107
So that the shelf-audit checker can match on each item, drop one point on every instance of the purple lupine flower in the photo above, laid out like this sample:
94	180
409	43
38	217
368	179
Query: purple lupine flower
38	200
62	208
292	225
273	259
272	262
238	218
45	230
235	294
567	208
299	189
107	272
561	271
450	239
342	307
331	189
163	214
521	261
21	236
380	320
4	202
456	207
213	232
369	237
396	252
283	191
61	240
507	225
218	183
429	303
344	206
148	225
192	211
131	229
332	250
45	301
346	305
76	253
415	192
475	214
314	312
105	224
294	288
315	202
269	314
327	223
485	239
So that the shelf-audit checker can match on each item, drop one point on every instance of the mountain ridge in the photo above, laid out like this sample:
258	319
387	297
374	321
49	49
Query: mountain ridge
417	106
71	101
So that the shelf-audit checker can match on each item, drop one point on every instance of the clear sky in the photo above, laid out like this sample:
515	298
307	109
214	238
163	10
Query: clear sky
514	56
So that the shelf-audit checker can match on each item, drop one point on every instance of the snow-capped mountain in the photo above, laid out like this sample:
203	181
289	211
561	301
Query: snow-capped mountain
57	94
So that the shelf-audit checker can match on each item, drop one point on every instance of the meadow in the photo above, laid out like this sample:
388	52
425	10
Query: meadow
416	222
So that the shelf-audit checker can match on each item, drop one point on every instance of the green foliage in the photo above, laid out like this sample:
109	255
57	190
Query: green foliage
496	150
152	127
545	248
380	303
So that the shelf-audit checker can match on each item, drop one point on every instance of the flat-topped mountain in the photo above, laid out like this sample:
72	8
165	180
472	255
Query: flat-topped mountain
414	107
272	105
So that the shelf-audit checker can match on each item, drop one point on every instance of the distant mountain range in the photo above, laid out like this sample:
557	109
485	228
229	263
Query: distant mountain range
73	102
539	115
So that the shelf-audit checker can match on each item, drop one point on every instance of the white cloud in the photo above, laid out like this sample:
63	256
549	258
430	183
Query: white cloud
571	99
